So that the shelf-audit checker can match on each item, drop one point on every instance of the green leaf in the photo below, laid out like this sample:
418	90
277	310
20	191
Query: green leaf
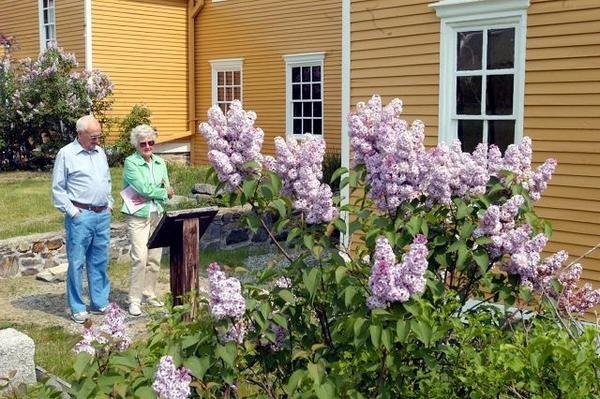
466	230
287	296
414	225
422	330
280	206
354	226
295	380
338	173
227	352
340	224
266	192
249	187
386	338
340	273
375	331
359	326
275	182
349	294
124	360
463	255
280	320
82	361
309	241
145	392
325	391
316	372
197	366
293	233
311	280
482	259
462	210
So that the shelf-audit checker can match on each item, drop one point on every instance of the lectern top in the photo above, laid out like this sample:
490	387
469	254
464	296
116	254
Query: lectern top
169	230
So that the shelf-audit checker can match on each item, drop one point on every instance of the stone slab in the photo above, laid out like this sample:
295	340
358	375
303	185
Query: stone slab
16	359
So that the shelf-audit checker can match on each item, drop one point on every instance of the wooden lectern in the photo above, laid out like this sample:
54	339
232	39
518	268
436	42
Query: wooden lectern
181	231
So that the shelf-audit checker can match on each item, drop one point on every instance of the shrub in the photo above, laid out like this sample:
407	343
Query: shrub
421	307
122	148
42	100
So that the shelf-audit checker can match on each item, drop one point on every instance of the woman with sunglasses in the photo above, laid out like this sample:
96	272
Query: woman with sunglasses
146	174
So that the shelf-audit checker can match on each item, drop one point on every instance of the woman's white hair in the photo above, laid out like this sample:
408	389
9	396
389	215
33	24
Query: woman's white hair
141	131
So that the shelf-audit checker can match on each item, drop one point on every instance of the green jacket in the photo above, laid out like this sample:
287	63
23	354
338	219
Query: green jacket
136	173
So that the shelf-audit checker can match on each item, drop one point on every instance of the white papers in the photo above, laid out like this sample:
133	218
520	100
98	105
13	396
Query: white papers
132	199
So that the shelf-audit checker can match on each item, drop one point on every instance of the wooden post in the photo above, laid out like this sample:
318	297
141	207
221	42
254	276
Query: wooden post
181	232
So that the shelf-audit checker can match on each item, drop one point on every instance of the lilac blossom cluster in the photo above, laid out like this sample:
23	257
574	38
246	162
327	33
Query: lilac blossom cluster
280	334
299	164
391	282
236	332
224	294
233	141
400	169
111	333
171	382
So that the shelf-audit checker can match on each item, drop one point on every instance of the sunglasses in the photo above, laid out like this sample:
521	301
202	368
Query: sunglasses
149	143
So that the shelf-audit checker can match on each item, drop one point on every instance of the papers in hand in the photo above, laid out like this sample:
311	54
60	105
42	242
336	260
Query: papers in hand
132	199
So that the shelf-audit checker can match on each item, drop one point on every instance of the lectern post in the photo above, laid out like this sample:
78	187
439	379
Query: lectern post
181	231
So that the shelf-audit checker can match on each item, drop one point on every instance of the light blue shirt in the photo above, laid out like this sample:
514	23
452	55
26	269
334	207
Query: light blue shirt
81	176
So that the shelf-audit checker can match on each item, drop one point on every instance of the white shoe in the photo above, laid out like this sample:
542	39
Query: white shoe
80	317
154	301
134	309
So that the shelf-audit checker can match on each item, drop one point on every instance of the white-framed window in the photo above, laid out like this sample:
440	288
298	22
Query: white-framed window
47	23
482	71
226	82
304	93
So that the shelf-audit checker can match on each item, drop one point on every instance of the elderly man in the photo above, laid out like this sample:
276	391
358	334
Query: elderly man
81	189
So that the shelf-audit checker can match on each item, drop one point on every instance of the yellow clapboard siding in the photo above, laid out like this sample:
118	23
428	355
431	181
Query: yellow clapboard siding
562	16
569	215
557	52
142	46
573	158
570	203
578	170
579	181
559	122
575	227
565	135
265	31
424	39
19	19
550	146
575	90
70	28
576	40
573	28
561	76
591	194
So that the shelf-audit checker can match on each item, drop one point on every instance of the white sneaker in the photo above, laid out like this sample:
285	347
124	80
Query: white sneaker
154	301
134	309
80	317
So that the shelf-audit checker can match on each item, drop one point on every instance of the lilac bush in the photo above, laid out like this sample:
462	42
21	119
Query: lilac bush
224	294
171	382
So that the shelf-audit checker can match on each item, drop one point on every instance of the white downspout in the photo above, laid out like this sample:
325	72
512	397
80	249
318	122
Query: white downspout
345	103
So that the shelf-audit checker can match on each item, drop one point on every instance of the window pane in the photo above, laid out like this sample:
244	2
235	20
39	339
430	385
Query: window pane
499	96
306	92
316	73
297	126
295	92
317	126
307	110
501	133
317	109
306	74
236	78
228	94
220	94
469	50
501	48
306	126
237	95
51	15
297	109
223	107
470	134
468	95
316	91
296	74
228	78
220	78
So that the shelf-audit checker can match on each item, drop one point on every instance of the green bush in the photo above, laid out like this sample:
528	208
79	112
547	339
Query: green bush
122	148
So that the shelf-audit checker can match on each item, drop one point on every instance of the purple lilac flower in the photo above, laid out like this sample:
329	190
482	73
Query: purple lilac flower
224	294
236	333
391	282
233	141
280	334
171	382
299	164
111	332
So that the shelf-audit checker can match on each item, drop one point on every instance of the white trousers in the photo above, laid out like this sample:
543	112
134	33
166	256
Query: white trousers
145	263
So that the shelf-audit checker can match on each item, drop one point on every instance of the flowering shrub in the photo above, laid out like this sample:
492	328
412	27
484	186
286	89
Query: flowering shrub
358	323
42	99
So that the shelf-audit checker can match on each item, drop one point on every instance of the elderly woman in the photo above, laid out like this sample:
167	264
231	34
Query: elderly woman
146	174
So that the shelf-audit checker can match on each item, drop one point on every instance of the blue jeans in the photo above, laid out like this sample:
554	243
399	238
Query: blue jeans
88	239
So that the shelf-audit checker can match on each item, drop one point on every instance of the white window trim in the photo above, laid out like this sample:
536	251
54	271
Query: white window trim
42	26
225	65
458	15
305	59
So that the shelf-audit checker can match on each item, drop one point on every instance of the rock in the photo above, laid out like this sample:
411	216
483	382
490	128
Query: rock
54	244
16	359
37	247
177	199
237	236
54	274
203	188
23	246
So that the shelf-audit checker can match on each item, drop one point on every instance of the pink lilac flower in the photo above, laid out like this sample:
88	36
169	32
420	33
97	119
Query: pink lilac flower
299	164
233	142
224	294
171	382
111	332
391	282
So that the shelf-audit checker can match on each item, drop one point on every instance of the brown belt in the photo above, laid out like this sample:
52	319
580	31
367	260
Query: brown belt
92	208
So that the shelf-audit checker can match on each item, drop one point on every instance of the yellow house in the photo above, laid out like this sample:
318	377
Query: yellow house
478	70
140	44
494	71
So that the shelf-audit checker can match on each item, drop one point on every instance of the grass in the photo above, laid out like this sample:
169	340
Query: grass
26	198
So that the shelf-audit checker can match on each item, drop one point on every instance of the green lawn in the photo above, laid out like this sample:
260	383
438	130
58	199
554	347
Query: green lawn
26	202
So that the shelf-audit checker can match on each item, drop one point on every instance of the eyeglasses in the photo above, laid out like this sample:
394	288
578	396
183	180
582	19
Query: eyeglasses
149	143
95	137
